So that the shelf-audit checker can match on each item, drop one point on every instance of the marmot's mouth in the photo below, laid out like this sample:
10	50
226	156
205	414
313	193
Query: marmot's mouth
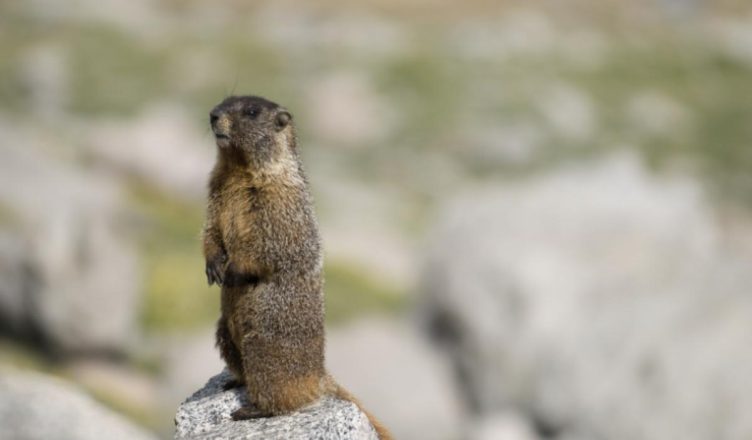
222	139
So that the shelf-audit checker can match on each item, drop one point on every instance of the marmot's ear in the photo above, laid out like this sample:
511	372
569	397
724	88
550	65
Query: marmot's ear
282	120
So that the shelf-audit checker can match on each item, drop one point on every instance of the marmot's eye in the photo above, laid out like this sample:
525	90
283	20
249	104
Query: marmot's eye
251	112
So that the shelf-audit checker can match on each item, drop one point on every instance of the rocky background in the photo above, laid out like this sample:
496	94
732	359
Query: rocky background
536	216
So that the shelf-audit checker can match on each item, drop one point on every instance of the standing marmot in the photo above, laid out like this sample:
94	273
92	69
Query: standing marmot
261	244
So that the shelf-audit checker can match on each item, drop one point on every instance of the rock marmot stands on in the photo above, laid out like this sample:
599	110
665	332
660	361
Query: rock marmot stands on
262	246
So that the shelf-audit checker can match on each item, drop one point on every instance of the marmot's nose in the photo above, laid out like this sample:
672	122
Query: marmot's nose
214	116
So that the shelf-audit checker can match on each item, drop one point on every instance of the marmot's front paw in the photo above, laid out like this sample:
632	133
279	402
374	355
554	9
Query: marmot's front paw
215	269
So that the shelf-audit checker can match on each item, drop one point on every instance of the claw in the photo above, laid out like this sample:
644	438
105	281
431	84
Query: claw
219	277
215	270
209	276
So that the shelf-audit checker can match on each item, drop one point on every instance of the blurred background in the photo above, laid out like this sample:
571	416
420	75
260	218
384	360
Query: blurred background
536	215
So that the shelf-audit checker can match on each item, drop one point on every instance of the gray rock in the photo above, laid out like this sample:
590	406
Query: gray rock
502	426
398	376
18	282
187	359
347	111
68	238
162	134
37	407
45	71
603	301
206	415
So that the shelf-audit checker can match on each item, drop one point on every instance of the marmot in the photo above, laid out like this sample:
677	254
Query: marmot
262	246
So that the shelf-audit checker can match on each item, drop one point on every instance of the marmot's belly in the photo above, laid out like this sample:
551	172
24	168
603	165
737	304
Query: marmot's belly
241	241
239	312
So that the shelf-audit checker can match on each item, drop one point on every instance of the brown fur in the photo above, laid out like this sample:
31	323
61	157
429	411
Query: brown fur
261	244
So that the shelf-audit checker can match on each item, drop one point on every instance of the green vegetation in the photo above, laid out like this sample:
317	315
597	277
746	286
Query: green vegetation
8	217
150	417
352	292
176	293
125	72
713	90
15	355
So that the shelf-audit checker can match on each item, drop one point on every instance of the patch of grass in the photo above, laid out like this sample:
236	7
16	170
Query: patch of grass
114	73
176	293
172	222
8	217
351	292
15	355
425	85
713	88
149	417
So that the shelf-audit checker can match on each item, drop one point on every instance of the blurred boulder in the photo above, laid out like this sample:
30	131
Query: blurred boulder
568	111
187	359
346	110
601	300
18	282
502	426
162	146
397	375
69	278
37	407
733	36
129	387
656	114
45	75
206	415
369	233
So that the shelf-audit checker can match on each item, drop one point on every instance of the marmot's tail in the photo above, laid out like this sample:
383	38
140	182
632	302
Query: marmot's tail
340	392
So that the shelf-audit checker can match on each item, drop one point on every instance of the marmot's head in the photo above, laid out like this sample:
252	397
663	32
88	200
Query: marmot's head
255	127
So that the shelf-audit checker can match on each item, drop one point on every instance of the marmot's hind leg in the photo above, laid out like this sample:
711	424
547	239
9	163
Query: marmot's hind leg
230	354
279	378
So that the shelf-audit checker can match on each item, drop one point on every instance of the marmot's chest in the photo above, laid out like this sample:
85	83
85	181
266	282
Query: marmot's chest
241	217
